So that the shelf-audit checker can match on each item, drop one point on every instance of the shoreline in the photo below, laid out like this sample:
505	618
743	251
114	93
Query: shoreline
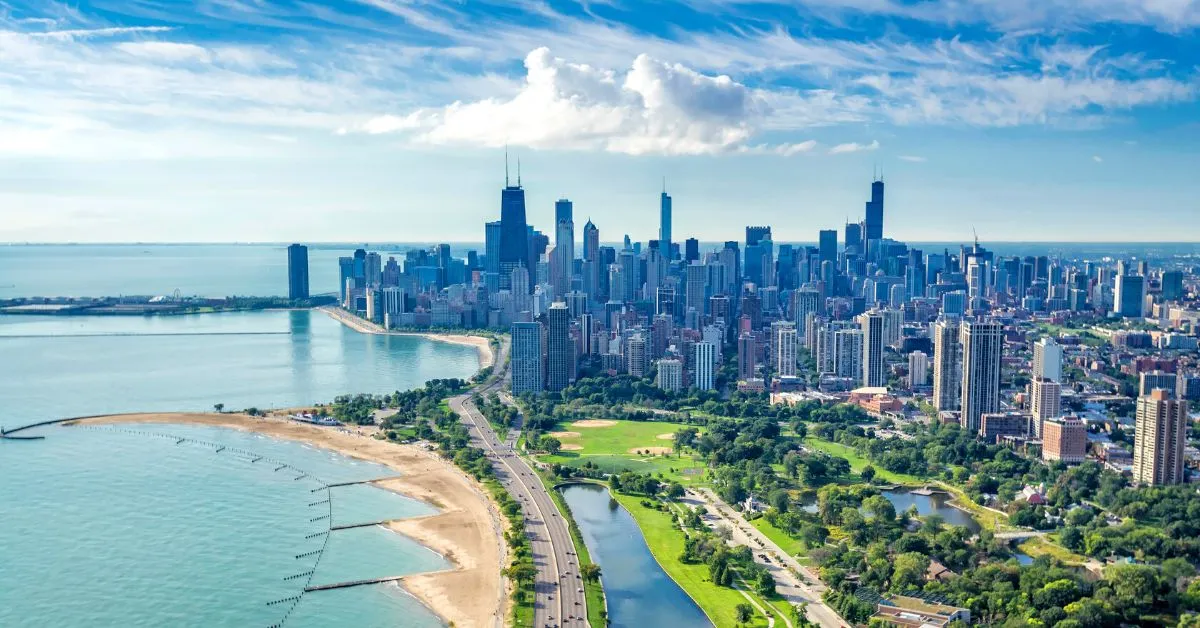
464	531
483	346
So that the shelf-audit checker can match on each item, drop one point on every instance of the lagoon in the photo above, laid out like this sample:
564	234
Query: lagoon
639	592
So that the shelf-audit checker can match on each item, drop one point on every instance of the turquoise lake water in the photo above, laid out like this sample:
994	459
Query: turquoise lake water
55	367
120	526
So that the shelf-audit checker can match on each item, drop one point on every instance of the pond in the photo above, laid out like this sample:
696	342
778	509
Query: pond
935	504
639	592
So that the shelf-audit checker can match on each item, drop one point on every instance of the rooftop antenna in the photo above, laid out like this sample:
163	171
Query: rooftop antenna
664	184
976	234
506	165
518	171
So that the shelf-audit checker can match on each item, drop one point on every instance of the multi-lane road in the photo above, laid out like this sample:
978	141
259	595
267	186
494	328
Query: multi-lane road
558	598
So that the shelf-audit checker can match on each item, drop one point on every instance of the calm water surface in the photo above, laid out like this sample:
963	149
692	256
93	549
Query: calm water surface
639	592
116	526
54	367
936	504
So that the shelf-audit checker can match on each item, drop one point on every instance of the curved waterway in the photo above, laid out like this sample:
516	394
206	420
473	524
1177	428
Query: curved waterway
639	592
128	526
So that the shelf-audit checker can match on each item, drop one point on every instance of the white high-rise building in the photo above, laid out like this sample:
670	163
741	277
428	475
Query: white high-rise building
785	356
874	373
522	300
918	369
704	365
982	349
670	375
947	365
1045	402
893	327
847	353
806	301
1047	359
560	349
1159	438
635	355
527	362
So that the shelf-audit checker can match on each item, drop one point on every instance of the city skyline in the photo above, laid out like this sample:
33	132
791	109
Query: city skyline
275	122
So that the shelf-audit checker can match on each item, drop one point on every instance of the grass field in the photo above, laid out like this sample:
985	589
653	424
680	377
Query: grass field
857	462
665	540
779	537
609	449
1038	546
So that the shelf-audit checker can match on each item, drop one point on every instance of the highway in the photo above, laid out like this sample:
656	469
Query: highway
559	598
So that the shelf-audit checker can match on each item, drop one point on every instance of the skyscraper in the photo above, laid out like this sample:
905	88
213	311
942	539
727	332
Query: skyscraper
298	272
827	245
1047	359
704	365
514	231
670	375
592	266
785	354
664	218
1045	402
874	222
697	274
873	331
918	368
561	265
560	350
636	355
747	357
1159	438
527	360
1129	296
491	248
845	352
982	350
947	373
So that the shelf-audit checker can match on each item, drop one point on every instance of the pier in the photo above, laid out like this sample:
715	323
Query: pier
351	526
371	481
352	583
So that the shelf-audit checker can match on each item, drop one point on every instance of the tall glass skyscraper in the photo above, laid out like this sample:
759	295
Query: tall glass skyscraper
514	231
664	229
874	221
298	272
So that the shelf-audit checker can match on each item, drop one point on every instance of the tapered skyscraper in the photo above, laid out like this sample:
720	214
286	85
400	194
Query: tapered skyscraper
514	231
874	221
664	217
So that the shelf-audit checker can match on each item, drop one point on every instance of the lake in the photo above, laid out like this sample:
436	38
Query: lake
639	592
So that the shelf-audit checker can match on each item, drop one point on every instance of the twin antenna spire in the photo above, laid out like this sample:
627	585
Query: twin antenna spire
506	168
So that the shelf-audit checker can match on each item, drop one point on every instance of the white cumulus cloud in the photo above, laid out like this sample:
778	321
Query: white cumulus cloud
652	108
913	158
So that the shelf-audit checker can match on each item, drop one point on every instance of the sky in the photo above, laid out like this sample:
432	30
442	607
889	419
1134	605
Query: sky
388	120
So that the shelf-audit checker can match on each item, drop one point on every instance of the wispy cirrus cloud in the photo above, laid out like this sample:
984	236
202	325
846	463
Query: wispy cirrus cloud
912	159
853	147
451	74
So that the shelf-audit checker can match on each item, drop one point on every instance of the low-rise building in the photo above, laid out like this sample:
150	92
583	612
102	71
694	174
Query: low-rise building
902	610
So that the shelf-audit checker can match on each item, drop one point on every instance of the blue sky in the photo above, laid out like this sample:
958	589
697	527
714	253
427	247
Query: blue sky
386	120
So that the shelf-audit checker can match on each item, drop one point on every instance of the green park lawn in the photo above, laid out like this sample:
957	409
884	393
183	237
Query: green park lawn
793	547
665	540
613	449
858	463
1037	546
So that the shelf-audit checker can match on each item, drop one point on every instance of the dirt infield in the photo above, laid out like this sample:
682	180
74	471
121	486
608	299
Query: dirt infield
667	436
594	423
570	447
654	451
566	434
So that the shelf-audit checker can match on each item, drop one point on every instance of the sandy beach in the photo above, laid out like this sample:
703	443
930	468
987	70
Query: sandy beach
467	531
482	345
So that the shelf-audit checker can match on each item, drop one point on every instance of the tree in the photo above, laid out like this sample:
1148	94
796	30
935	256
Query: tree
909	571
675	490
550	444
744	612
590	572
764	585
868	474
218	407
